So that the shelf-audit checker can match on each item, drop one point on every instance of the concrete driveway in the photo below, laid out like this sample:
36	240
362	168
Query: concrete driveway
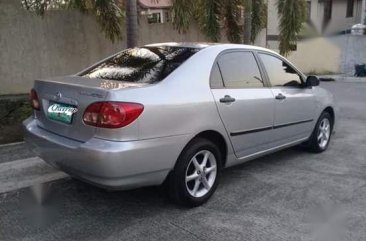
290	195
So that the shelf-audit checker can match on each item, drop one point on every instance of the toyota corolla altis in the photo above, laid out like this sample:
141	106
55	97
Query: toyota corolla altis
176	114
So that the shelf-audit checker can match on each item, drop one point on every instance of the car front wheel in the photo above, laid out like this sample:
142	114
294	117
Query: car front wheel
196	174
322	133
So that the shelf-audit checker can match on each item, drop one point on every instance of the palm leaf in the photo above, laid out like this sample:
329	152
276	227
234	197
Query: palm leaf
292	14
231	12
107	12
183	14
109	16
259	18
208	17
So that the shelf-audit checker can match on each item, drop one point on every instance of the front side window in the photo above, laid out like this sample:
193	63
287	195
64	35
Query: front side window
240	70
142	65
279	72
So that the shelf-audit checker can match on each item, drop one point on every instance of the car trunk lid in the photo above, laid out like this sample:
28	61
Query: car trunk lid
68	92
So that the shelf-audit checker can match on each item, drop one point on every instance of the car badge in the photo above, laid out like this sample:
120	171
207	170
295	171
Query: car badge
58	95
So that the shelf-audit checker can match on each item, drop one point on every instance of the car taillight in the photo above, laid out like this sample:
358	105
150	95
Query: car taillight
33	97
110	114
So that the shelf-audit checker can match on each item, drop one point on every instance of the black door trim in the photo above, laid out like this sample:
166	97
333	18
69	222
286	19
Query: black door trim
269	128
250	131
292	123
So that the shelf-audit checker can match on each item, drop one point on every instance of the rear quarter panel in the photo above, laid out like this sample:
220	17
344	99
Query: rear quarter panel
181	104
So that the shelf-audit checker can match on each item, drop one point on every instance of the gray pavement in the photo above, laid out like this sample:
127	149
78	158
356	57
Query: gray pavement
290	195
14	151
26	173
19	168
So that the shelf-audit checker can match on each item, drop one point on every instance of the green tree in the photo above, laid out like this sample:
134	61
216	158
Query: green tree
248	17
210	16
109	14
258	18
292	15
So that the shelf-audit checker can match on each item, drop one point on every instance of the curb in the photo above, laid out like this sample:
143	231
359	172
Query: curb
12	144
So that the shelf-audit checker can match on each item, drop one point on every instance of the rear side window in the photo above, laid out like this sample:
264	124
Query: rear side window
240	70
216	79
142	65
279	72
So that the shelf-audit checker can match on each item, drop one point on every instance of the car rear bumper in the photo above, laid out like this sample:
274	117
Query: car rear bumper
110	164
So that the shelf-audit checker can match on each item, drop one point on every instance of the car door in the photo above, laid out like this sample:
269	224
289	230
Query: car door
244	101
294	103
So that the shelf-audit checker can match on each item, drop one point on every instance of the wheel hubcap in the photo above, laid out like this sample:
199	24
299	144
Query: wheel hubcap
201	173
324	133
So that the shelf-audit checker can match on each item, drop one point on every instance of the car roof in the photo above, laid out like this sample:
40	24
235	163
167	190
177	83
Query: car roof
198	45
217	47
201	45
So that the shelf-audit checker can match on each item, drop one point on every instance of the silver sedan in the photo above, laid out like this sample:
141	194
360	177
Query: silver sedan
176	114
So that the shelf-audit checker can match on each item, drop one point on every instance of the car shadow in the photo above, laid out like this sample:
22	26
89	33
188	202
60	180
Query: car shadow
70	201
151	197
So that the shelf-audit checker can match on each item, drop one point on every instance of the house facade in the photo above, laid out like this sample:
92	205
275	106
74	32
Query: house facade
327	45
156	11
334	16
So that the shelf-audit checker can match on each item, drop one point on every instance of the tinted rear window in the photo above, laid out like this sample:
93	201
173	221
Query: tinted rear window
240	70
142	65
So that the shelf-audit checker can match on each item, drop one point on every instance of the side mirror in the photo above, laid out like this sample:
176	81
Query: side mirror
312	81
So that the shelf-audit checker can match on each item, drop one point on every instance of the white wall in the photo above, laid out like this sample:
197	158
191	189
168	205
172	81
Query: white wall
339	21
353	52
318	55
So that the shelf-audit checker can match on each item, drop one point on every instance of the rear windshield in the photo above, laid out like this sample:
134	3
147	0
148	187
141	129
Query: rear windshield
142	65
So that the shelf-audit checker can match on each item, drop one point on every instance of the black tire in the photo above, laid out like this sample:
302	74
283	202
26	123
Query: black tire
313	144
176	183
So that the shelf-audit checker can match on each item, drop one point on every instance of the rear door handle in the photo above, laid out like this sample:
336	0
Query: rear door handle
227	99
280	97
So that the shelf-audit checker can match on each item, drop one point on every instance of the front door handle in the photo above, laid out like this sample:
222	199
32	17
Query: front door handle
280	97
227	99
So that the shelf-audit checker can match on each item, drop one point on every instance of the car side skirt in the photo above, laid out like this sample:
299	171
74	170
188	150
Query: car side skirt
266	152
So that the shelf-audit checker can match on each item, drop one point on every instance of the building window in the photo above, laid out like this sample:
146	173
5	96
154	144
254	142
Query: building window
167	16
308	12
154	18
328	5
350	7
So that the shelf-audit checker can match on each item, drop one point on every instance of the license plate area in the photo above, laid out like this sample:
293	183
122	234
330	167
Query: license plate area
61	112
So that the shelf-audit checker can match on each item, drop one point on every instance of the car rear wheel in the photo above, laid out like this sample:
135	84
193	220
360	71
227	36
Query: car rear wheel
196	173
322	133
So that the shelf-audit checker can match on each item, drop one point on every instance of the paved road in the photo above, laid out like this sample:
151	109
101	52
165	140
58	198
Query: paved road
14	151
19	168
291	195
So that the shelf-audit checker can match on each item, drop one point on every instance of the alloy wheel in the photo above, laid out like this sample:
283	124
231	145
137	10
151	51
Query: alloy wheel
323	133
201	173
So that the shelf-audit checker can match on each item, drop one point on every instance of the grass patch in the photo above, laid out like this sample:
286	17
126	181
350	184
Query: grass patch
12	113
